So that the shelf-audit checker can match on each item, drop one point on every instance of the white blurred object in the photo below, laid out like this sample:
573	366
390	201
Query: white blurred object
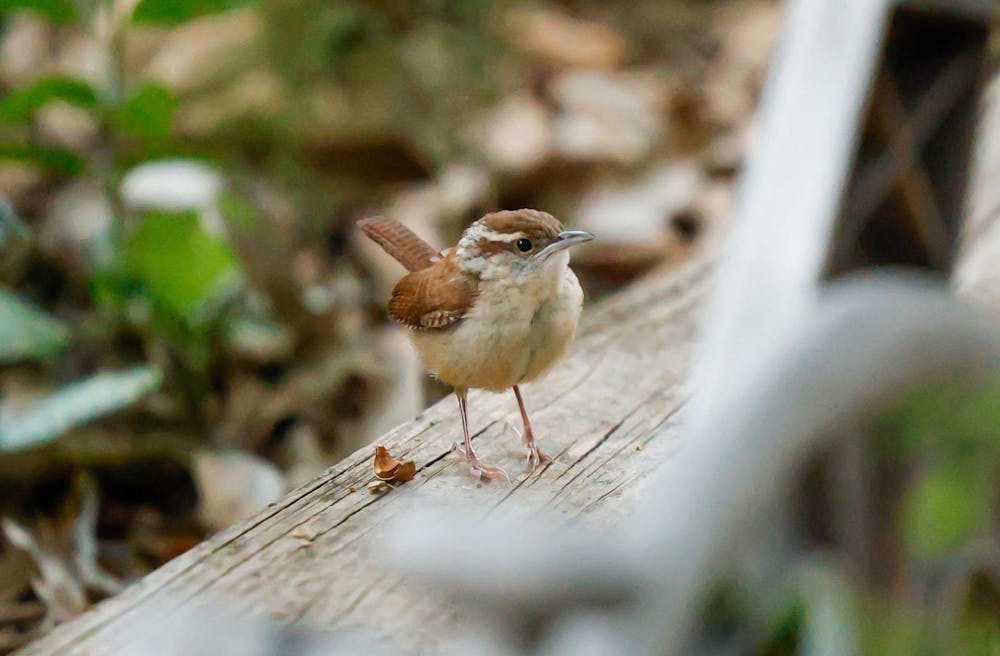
232	485
638	212
24	49
172	185
460	188
981	232
563	39
214	628
614	116
518	134
76	217
62	124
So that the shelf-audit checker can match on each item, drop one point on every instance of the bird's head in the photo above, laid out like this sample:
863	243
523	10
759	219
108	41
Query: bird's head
517	243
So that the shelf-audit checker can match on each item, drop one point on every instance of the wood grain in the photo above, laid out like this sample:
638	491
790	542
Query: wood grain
609	414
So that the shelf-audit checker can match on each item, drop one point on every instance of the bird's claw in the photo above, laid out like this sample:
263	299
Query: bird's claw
480	470
535	456
476	467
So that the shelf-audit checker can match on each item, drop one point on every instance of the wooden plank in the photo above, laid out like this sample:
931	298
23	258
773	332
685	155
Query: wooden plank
609	413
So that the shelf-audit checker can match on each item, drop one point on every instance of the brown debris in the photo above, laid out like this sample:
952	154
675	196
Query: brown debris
405	472
564	40
389	470
384	464
378	486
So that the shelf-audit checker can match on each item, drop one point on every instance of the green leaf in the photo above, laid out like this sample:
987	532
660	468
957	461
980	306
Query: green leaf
172	12
148	114
27	333
238	211
978	637
21	104
899	631
952	418
350	28
74	405
55	160
58	11
182	267
947	507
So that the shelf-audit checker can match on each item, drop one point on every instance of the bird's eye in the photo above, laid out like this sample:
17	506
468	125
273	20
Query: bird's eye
524	245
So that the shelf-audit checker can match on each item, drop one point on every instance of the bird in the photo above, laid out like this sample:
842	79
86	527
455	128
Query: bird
494	311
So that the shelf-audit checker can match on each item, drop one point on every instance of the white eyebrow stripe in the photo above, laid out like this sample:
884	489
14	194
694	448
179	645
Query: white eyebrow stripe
476	232
500	236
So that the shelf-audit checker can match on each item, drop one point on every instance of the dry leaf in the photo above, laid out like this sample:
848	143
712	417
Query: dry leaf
56	585
389	470
564	39
405	472
91	573
378	486
384	464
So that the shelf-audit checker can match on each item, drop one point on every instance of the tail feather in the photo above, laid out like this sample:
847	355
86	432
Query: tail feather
399	241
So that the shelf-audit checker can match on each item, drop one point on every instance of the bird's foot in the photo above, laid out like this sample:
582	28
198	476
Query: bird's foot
536	457
477	467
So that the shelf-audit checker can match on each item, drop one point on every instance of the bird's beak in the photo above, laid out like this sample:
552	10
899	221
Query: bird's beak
566	239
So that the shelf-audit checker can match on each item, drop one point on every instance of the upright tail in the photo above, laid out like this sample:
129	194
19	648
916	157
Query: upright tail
399	241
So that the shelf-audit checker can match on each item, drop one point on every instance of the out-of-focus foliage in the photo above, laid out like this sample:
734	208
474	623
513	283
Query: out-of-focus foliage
20	105
147	116
952	434
73	405
60	11
947	507
915	569
150	255
26	332
172	12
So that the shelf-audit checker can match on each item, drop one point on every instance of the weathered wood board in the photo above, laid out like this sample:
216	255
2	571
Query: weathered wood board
311	558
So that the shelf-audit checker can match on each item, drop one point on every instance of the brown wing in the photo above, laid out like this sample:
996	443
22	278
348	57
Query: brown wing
398	241
433	298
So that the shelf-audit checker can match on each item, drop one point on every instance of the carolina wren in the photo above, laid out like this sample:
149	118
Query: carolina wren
498	309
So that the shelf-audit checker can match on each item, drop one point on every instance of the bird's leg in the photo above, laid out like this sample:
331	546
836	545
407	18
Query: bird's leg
476	467
535	455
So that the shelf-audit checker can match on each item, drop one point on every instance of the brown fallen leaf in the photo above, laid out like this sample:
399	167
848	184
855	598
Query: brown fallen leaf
56	584
378	486
405	472
384	464
389	470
